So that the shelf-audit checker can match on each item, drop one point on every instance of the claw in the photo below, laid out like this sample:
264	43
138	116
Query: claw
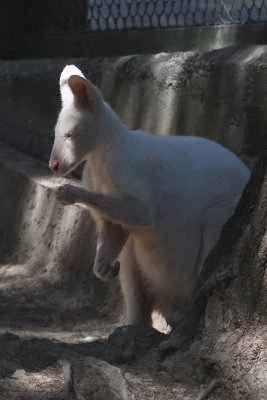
65	194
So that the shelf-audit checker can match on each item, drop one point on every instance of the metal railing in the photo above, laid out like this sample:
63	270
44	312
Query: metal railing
106	15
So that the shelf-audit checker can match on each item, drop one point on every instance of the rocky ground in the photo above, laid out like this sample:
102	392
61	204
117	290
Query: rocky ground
49	352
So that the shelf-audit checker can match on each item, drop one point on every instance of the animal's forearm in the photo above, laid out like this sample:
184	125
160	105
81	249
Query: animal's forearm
121	209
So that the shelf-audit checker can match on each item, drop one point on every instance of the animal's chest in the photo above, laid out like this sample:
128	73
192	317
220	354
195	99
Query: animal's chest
98	178
101	182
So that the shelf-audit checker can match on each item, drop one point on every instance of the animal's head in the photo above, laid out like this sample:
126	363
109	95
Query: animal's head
78	124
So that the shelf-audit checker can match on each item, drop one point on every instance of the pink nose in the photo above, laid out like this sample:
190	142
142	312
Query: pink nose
54	165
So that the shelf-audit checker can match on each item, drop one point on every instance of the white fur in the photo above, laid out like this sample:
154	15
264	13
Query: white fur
66	95
159	203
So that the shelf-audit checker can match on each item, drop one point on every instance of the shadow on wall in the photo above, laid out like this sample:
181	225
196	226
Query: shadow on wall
13	188
47	252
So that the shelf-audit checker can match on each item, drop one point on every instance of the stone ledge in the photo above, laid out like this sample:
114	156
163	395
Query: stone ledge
50	247
220	94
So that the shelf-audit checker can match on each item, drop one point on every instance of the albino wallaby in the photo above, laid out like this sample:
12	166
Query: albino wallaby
159	202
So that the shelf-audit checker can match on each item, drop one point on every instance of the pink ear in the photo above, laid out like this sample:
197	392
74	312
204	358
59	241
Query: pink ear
80	88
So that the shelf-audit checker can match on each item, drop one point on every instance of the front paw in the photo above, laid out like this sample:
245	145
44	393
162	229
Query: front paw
66	194
105	271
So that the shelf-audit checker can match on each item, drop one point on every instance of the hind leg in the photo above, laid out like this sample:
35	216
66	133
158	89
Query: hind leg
138	303
111	240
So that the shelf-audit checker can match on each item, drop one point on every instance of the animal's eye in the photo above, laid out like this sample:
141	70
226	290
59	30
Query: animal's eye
71	133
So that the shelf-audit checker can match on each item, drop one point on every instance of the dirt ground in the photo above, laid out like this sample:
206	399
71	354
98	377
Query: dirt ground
36	334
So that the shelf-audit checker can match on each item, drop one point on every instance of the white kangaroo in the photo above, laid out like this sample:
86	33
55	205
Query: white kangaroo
159	202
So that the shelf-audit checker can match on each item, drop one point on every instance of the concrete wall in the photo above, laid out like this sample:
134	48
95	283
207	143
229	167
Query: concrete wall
220	94
51	247
139	41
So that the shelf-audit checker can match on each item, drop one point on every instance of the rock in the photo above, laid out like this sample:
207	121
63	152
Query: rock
94	379
129	341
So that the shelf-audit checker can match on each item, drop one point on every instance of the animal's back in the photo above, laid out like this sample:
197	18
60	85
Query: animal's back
188	161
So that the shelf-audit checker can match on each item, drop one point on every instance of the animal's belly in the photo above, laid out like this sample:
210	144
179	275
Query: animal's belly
164	274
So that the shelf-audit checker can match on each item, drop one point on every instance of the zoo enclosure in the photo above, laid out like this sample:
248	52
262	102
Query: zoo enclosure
148	14
77	28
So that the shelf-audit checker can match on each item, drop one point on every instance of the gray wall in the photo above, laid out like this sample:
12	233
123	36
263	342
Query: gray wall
220	94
